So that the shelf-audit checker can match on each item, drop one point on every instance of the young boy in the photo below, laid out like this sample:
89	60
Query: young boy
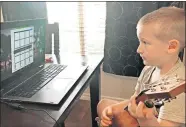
161	34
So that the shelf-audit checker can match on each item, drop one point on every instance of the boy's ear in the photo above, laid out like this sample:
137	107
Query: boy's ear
173	46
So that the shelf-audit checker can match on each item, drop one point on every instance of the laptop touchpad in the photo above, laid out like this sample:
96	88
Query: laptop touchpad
60	84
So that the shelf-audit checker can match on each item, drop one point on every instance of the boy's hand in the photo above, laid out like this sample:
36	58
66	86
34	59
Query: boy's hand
140	111
106	116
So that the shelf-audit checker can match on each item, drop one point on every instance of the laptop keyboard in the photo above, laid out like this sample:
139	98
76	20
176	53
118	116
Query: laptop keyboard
31	86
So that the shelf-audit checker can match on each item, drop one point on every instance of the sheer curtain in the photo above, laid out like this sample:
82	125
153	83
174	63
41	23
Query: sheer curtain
68	16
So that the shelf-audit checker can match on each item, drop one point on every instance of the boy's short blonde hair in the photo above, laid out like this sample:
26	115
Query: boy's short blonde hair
170	22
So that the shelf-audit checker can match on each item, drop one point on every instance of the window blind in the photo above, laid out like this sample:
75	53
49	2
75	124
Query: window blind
81	25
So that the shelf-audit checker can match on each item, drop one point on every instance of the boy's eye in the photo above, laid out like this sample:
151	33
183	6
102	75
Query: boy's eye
144	42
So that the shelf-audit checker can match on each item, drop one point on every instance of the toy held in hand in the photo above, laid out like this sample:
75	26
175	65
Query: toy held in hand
160	93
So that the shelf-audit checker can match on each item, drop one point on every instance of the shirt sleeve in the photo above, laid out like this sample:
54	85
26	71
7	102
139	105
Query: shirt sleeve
174	110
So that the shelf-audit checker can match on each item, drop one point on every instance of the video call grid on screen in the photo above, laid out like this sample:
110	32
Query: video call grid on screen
21	47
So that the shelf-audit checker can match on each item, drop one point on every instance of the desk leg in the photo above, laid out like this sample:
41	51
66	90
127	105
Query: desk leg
95	95
62	124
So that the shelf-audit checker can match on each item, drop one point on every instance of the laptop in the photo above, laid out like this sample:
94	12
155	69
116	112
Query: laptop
25	77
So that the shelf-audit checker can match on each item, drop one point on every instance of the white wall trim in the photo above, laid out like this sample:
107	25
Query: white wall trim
2	20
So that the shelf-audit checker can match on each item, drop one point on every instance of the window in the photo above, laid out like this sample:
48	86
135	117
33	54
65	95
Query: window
91	20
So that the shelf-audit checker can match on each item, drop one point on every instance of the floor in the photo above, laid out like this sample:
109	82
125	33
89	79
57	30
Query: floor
80	116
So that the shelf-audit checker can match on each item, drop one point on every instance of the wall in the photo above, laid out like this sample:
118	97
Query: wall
23	10
117	87
114	87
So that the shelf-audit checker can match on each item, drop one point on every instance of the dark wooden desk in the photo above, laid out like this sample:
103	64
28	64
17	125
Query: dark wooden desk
15	118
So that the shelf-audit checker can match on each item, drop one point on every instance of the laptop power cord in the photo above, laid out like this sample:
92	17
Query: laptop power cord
18	106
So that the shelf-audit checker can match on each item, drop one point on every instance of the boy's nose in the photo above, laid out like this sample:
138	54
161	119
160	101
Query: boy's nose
139	49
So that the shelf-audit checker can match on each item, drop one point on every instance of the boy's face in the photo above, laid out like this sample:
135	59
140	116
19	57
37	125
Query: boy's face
151	49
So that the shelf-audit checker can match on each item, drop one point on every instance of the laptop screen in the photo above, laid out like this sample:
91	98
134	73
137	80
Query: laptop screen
22	46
